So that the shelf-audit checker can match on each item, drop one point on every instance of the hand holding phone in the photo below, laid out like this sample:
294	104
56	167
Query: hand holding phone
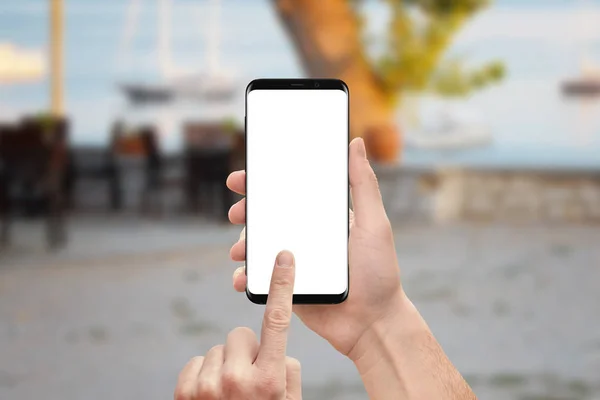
375	289
377	327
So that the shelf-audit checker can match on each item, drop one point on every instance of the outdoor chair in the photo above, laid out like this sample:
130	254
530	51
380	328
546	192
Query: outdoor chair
141	146
95	165
33	161
208	159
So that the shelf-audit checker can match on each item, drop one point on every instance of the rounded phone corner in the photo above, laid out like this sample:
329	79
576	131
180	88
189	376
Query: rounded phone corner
256	298
251	85
342	297
343	86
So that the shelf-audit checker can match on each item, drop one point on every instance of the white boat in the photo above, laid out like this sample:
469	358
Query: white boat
450	138
214	84
206	86
582	87
588	82
193	87
146	93
448	129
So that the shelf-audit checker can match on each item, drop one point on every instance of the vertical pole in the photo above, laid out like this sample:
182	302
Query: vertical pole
56	57
165	60
212	50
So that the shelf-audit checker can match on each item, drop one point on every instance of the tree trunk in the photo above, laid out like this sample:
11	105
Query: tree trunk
325	34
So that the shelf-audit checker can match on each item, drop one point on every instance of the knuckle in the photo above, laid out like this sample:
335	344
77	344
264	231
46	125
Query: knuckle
208	391
281	281
233	380
270	387
196	359
216	349
185	389
183	393
277	320
242	332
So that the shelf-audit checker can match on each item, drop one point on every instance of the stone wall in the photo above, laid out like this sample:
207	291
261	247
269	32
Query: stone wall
517	195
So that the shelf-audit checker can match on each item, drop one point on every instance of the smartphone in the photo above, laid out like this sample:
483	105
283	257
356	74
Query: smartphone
297	188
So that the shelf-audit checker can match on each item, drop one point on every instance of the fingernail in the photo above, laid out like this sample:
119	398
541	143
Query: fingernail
361	147
285	259
238	272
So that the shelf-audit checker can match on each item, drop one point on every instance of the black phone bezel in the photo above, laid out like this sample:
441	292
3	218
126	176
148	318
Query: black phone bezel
298	84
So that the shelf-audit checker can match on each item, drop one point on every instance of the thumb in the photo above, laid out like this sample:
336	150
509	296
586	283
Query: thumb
366	198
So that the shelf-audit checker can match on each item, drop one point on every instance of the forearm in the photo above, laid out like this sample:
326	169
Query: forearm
398	358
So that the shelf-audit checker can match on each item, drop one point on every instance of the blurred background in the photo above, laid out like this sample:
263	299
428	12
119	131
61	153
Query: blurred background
121	119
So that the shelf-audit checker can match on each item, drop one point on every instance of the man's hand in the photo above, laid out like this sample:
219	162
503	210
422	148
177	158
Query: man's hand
377	327
243	368
375	289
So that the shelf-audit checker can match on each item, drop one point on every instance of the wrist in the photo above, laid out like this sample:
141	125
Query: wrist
398	357
374	346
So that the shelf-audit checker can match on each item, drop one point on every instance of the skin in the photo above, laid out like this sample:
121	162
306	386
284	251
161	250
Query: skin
243	368
377	327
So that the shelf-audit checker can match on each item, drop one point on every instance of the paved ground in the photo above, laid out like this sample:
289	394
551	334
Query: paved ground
117	314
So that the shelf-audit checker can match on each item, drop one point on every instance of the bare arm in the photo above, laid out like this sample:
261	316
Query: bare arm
398	358
377	326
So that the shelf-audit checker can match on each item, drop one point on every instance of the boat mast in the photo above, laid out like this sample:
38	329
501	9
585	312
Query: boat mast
586	63
213	40
164	39
133	12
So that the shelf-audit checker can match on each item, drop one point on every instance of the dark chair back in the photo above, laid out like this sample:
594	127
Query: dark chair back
33	162
25	155
208	156
208	136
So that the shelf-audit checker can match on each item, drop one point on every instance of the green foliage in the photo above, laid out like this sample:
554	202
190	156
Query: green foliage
419	33
230	125
446	7
453	79
46	120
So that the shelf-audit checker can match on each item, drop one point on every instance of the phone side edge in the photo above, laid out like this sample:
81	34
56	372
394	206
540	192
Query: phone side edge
346	90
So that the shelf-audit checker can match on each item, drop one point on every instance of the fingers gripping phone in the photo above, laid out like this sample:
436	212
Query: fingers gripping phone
297	189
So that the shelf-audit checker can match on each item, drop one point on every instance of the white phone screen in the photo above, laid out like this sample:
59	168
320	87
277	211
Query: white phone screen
297	187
